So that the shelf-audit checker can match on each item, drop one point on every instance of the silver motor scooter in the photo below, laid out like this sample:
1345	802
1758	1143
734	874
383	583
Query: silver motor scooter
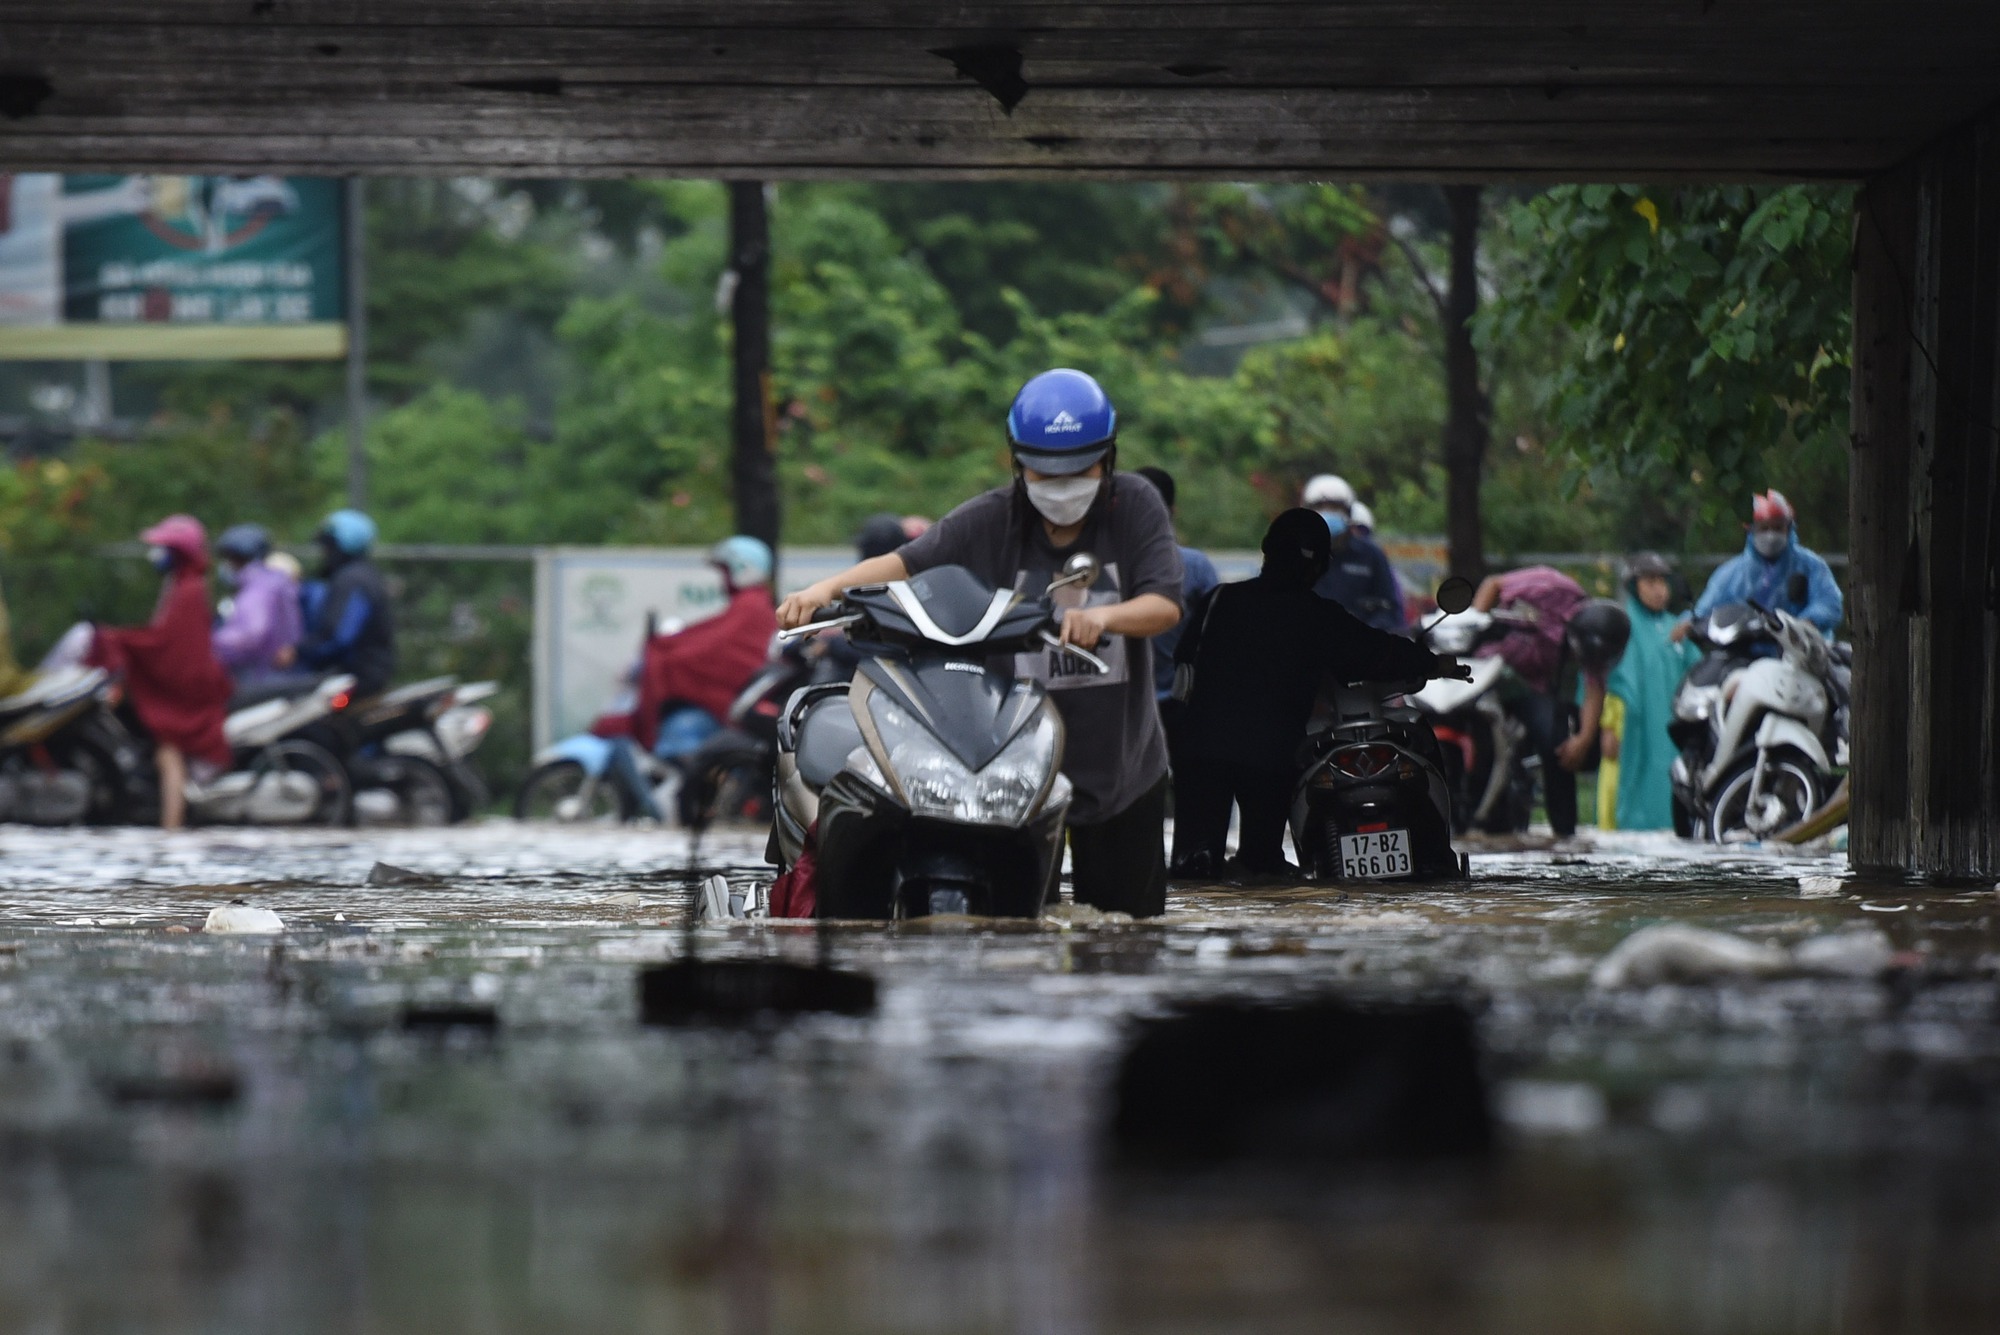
932	782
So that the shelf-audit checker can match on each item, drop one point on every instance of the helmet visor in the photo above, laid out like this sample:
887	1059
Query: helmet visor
1067	464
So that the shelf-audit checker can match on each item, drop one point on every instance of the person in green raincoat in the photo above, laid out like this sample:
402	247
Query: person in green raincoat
1645	680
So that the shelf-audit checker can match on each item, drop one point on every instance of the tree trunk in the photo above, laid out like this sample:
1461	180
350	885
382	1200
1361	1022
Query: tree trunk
753	467
1465	427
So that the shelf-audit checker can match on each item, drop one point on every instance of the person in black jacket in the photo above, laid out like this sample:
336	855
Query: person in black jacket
1257	653
349	625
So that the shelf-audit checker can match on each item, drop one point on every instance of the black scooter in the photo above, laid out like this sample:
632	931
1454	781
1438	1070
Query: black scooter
932	783
1374	802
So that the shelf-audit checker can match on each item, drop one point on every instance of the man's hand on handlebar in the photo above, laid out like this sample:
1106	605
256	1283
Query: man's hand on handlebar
1451	669
1083	626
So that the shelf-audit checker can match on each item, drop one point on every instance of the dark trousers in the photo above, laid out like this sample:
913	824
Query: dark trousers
1549	724
1120	865
1205	790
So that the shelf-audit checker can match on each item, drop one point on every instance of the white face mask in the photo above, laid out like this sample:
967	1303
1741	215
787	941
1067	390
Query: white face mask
1064	500
1769	544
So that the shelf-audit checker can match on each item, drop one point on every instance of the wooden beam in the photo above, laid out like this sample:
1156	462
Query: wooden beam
1925	510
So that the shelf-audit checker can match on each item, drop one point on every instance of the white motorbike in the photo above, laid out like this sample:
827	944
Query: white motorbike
279	778
1760	737
1488	760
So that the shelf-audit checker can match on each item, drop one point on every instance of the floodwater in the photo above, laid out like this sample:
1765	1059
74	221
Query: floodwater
247	1134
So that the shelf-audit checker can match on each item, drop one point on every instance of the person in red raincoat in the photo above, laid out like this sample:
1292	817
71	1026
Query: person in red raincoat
177	688
706	665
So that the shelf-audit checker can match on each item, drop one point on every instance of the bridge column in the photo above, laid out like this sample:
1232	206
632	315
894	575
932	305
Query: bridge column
1925	512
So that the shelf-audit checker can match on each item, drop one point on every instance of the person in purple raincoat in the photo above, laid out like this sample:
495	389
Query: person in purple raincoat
259	637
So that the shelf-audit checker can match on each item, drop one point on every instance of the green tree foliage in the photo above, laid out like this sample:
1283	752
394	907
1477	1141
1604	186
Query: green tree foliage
1711	338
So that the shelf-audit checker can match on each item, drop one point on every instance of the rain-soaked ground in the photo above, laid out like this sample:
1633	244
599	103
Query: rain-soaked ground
245	1134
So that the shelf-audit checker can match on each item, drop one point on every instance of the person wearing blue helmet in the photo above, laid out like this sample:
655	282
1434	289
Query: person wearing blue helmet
1067	497
349	625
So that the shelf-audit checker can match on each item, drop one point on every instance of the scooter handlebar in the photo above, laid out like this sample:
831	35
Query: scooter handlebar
1055	642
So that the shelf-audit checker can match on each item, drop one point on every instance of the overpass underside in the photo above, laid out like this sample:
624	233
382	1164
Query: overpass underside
1897	93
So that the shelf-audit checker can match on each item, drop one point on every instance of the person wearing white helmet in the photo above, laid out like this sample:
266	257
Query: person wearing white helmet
1360	578
1362	520
688	679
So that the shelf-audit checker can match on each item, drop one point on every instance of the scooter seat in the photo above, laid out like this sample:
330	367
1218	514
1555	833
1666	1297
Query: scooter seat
827	734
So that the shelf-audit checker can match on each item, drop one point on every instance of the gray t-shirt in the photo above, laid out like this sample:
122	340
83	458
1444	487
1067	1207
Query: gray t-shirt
1114	750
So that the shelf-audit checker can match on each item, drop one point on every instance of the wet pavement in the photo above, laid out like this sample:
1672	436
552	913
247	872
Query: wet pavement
430	1105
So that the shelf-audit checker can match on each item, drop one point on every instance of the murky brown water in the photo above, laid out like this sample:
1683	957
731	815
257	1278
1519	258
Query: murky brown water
235	1134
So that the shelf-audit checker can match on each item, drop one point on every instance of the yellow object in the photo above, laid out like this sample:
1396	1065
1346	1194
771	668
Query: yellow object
12	679
1650	211
1611	726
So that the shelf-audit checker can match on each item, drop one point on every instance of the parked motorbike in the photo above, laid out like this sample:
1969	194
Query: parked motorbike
64	754
1374	802
1761	735
931	783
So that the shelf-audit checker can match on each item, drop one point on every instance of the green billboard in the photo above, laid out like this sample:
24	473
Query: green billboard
129	267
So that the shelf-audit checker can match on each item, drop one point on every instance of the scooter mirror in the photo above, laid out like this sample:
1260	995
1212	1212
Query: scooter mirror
1454	595
1081	569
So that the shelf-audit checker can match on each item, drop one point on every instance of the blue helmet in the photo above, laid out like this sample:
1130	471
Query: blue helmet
349	531
244	542
1061	423
746	560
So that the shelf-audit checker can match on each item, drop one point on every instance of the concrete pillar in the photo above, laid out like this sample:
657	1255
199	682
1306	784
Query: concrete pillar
1925	512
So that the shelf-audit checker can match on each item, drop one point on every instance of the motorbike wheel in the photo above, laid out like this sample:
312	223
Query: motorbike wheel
469	794
1792	791
424	796
1326	852
336	802
563	791
96	762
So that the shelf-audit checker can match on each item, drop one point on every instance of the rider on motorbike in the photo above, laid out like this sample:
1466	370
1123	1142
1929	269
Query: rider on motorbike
1359	577
176	686
1253	658
688	679
260	635
1761	574
1066	497
349	626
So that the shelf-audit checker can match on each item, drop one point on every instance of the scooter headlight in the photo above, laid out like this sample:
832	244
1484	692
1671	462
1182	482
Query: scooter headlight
1695	703
940	785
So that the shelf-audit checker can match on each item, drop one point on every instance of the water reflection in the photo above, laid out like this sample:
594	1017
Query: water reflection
248	1134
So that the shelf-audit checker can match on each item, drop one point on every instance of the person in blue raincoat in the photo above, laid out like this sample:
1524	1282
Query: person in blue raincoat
1772	554
1645	680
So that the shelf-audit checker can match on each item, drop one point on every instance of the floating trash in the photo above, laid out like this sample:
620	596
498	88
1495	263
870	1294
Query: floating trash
237	918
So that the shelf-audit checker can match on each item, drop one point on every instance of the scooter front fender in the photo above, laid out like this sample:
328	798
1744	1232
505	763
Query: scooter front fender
1777	730
592	752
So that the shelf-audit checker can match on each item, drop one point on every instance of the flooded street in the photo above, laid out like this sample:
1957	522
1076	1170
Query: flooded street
429	1105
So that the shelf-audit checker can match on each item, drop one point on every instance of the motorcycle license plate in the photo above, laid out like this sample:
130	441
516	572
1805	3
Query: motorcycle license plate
1381	856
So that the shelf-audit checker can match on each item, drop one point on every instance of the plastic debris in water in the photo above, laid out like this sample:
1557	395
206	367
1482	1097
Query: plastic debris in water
1673	953
1820	887
240	919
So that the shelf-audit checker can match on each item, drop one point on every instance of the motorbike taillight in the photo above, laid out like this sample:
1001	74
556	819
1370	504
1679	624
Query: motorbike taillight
1362	762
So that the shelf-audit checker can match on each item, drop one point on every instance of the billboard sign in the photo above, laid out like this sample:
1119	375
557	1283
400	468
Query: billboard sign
132	267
